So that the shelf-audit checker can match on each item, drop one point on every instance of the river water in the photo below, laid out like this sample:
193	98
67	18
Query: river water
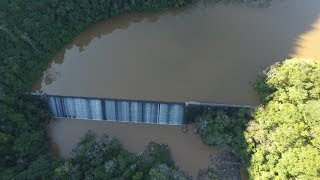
208	52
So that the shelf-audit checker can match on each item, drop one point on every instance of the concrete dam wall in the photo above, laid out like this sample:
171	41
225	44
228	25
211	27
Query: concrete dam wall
116	110
123	110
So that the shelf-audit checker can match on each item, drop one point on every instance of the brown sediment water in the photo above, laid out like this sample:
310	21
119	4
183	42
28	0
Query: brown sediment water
207	52
187	149
308	44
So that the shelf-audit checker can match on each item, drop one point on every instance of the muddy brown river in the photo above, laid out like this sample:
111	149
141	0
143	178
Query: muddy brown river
208	52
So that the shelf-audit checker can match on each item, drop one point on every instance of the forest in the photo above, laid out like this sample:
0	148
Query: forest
278	140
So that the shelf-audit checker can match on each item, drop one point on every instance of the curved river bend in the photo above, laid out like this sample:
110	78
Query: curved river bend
206	52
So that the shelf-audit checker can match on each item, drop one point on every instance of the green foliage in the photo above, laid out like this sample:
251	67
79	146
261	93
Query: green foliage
22	135
29	144
284	135
224	128
41	168
263	89
137	176
226	166
163	172
160	154
103	158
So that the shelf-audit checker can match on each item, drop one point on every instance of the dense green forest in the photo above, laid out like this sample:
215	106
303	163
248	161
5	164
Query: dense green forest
224	128
30	33
284	137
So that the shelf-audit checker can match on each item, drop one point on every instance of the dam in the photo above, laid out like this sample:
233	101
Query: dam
122	110
116	109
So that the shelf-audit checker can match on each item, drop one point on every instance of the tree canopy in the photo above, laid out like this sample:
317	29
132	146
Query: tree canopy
285	133
104	158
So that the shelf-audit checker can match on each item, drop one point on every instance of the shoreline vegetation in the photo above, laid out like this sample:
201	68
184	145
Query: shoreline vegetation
104	158
280	139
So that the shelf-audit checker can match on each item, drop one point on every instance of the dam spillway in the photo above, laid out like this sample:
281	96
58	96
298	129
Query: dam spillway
116	110
123	110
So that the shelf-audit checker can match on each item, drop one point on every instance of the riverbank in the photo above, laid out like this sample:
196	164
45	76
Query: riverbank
187	149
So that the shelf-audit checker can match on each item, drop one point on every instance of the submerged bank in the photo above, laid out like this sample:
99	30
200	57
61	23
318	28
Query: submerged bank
187	149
